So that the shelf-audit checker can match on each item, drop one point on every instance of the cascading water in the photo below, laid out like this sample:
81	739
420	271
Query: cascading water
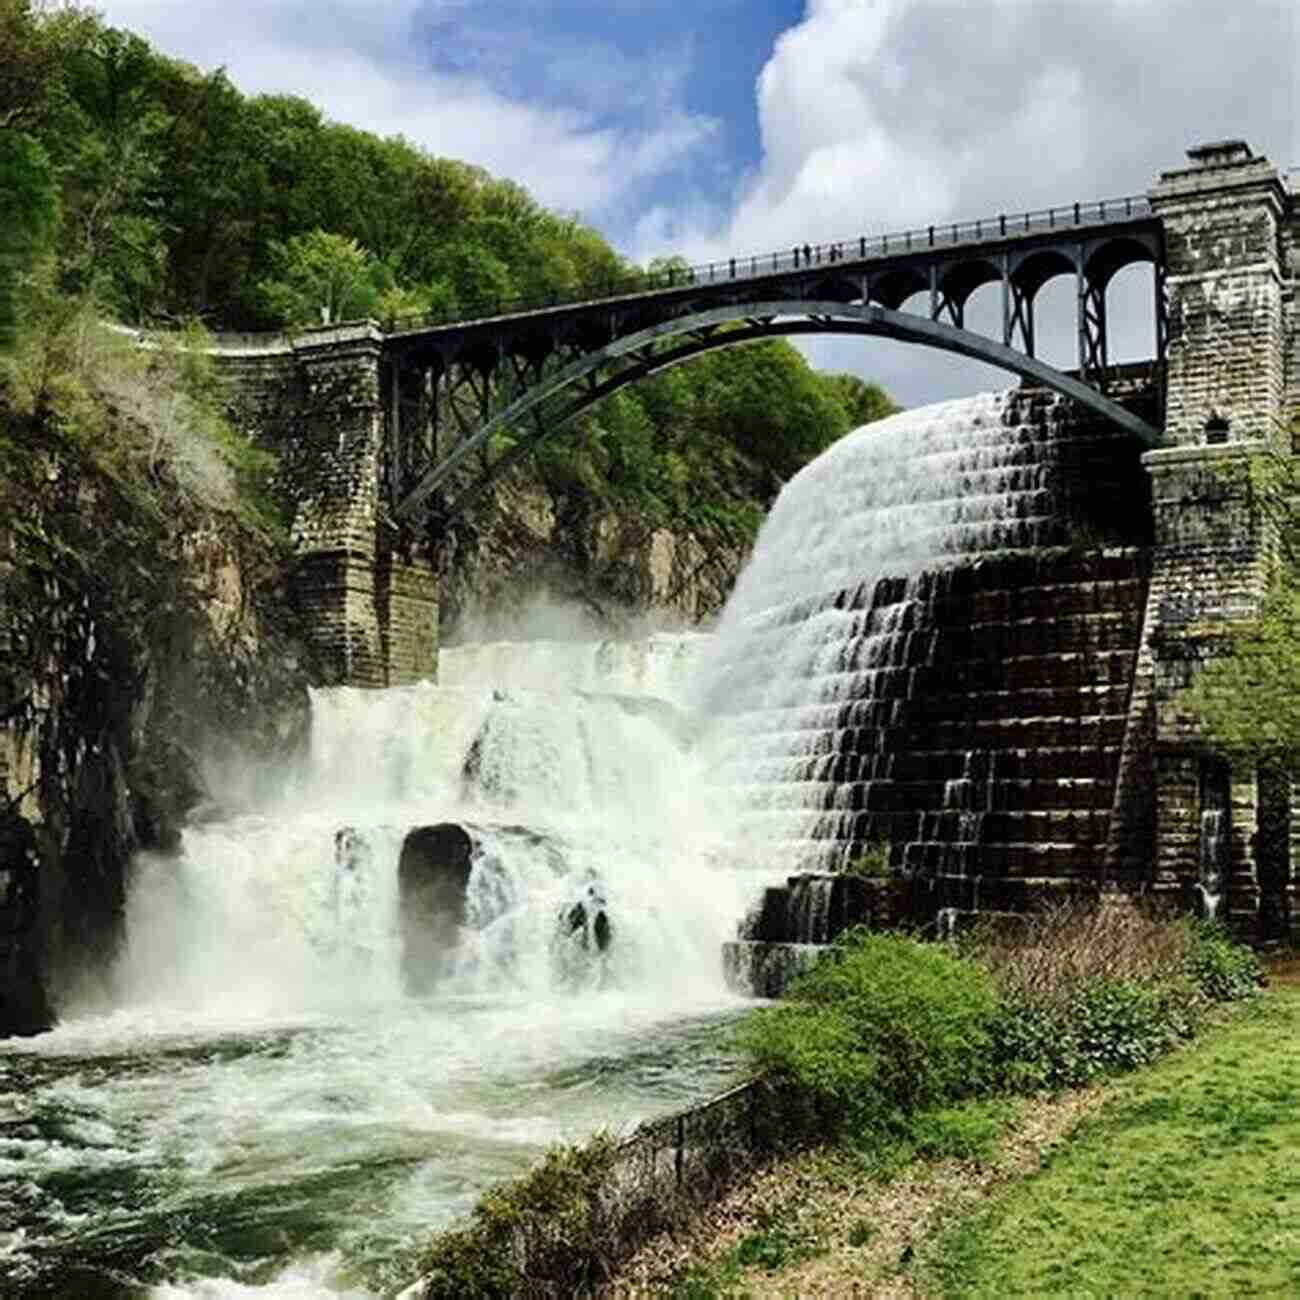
891	501
932	649
259	1102
1216	839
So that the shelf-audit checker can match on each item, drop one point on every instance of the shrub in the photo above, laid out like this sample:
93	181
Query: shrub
884	1026
871	863
1046	958
542	1234
1088	990
1222	969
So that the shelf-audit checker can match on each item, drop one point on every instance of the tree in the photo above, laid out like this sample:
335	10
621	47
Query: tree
863	402
34	48
319	278
29	213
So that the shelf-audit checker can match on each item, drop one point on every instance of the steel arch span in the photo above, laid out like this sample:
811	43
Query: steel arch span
553	400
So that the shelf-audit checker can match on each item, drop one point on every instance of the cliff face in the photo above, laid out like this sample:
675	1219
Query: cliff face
119	685
621	570
129	670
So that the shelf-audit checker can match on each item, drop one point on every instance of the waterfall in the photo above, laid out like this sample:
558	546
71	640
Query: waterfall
798	660
485	915
476	918
1212	852
931	647
577	789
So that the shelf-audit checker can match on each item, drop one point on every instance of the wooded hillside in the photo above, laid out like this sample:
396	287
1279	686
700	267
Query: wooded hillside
162	194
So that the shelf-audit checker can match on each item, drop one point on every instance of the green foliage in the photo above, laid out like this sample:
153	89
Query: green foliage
862	1233
1087	991
863	402
871	862
773	1247
29	214
885	1027
1183	1184
1222	969
969	1130
1247	697
1107	1027
319	278
779	1240
541	1228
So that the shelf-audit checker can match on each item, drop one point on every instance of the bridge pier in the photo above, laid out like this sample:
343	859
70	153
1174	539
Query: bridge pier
1227	277
369	598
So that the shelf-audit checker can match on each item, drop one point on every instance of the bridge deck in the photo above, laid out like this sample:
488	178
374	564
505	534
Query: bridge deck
755	275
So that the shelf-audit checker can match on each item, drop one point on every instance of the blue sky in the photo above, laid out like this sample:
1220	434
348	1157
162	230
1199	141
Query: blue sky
743	125
626	61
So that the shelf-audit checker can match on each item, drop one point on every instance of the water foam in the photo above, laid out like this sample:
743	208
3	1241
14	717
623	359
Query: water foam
908	495
587	784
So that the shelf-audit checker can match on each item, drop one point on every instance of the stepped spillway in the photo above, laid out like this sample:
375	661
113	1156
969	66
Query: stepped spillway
933	648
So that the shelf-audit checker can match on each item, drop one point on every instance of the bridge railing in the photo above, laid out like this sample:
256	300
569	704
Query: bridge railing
804	257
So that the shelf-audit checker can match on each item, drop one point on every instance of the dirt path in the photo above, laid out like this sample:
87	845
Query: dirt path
856	1234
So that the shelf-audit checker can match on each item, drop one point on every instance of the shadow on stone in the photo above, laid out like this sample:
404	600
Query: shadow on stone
432	875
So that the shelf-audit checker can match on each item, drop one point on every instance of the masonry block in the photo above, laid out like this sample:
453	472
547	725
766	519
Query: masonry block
1228	287
371	602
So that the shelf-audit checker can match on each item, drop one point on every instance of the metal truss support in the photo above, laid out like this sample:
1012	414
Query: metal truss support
1092	332
1018	317
570	384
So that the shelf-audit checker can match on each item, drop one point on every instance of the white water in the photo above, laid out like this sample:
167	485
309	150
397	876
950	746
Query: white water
913	493
258	1104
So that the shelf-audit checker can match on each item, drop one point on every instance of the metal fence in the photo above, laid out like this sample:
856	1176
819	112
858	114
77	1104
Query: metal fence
697	1152
661	1174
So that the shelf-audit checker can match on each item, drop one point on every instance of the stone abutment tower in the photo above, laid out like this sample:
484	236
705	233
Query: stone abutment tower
368	591
1194	821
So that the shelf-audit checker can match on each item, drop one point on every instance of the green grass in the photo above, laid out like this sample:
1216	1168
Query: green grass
1186	1183
778	1241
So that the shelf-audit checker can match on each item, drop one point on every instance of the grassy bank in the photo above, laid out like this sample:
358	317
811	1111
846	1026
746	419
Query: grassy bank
890	1056
1185	1183
1179	1179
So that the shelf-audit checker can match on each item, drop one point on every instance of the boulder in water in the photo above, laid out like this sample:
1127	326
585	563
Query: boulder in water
587	922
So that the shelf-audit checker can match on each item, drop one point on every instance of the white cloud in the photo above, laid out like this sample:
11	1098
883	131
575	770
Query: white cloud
878	115
356	60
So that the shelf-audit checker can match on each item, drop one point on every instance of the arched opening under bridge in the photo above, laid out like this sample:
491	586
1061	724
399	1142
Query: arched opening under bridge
569	391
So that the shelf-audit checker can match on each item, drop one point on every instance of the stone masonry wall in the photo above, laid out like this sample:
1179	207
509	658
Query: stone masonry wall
1290	261
1228	287
371	604
1209	570
1230	351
